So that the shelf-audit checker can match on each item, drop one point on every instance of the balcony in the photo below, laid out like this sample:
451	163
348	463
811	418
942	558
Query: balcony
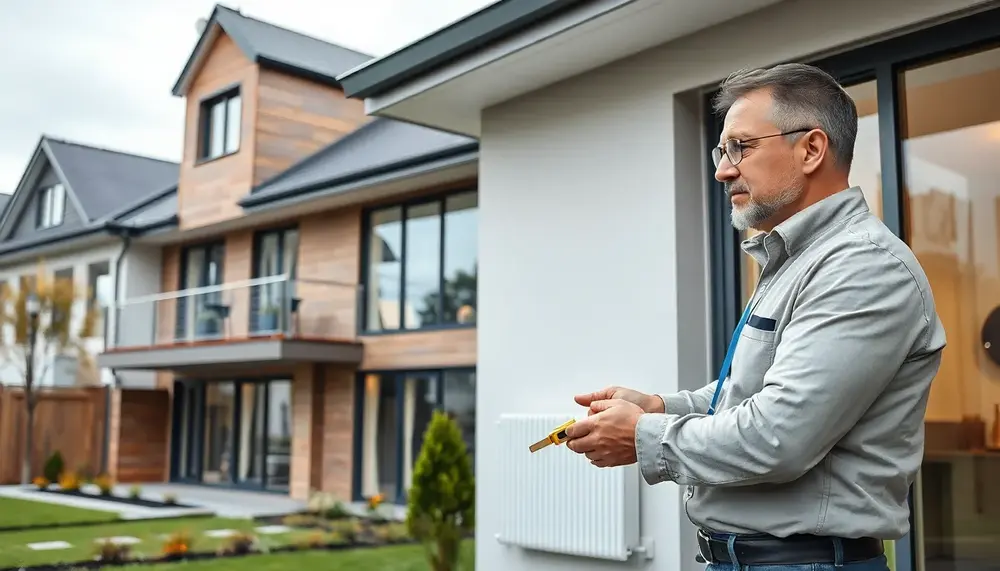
236	326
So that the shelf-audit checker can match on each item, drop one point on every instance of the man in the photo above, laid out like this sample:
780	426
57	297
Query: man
806	454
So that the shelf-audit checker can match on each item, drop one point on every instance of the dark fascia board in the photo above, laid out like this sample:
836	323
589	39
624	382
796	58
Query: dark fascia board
143	202
493	23
21	184
110	228
285	67
257	200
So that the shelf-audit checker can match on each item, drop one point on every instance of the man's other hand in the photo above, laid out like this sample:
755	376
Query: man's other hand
607	435
648	403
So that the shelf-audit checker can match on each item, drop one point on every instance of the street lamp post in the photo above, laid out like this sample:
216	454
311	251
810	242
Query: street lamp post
33	308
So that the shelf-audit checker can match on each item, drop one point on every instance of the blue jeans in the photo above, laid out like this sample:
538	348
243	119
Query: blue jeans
877	564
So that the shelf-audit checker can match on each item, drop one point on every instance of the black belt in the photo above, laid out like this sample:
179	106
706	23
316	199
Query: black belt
794	550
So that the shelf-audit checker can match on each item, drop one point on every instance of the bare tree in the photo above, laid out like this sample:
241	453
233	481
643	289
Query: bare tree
37	324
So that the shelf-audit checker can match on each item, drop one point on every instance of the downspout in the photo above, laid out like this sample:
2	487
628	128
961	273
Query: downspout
126	237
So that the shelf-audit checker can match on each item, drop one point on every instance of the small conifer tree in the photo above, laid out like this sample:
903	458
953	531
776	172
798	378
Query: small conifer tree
442	497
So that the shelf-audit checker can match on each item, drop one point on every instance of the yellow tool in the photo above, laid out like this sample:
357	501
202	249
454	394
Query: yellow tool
557	437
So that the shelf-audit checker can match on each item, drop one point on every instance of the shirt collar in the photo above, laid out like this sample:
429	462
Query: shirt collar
805	226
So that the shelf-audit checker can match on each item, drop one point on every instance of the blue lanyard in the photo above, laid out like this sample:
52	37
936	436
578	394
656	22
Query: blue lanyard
728	361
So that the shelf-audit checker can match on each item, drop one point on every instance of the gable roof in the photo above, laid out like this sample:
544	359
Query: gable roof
4	201
103	179
106	186
377	149
270	45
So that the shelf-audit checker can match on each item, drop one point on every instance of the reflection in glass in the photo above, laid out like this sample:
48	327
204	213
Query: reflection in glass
217	444
951	140
460	258
252	433
419	401
380	450
460	403
279	434
866	170
385	251
422	264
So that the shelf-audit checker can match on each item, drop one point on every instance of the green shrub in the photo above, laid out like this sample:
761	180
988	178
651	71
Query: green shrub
441	506
53	467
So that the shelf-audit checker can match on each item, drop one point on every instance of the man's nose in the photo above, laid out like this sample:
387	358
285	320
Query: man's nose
726	171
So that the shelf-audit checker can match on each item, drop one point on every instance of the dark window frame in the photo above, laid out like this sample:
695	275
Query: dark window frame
255	268
398	377
46	197
441	199
205	132
182	275
182	389
884	63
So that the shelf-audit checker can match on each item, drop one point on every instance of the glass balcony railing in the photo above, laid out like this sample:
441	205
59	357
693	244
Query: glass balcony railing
276	306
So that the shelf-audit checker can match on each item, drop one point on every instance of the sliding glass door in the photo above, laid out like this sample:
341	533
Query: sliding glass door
235	433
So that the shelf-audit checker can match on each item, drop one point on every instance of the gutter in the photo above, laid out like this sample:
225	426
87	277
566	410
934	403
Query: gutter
126	237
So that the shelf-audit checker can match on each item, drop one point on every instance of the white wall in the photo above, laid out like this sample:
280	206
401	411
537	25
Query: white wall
141	275
79	261
593	239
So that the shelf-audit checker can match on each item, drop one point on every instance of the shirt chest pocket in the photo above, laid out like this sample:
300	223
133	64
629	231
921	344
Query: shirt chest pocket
753	357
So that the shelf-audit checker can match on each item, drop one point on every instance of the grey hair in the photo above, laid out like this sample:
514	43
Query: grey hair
804	96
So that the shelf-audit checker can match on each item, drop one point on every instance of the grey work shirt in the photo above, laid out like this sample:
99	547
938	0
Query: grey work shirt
819	429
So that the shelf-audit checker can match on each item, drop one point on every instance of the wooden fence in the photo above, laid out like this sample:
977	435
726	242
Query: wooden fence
70	420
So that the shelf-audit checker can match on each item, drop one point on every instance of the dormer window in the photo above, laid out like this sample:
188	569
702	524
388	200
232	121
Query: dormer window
51	206
220	125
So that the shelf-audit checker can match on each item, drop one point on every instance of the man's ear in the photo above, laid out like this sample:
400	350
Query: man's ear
813	148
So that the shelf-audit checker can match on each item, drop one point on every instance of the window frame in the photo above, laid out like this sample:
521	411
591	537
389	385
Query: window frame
45	207
205	132
398	378
441	198
882	62
182	276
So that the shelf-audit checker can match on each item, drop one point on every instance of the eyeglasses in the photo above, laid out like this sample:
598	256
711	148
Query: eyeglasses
733	148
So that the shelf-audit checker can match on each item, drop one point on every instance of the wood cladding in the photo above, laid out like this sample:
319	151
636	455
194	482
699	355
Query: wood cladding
445	348
209	192
143	436
297	117
329	257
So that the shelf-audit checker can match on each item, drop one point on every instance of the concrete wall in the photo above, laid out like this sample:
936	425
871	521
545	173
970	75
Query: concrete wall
593	238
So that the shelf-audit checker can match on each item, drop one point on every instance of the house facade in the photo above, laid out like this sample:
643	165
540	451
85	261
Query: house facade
317	295
607	248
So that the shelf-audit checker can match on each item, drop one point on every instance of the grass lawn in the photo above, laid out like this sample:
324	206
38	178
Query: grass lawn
391	558
17	512
14	549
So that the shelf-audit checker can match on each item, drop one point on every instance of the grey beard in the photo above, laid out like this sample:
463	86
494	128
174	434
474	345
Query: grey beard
755	212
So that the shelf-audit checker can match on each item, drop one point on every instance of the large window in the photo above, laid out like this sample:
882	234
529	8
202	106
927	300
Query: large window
422	264
233	433
275	254
51	206
201	315
220	122
395	409
928	131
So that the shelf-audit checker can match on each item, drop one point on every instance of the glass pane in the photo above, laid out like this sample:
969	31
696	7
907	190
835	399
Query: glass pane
460	403
866	170
252	433
385	251
266	316
423	265
379	446
951	139
460	258
290	253
217	445
419	401
217	130
58	204
234	109
279	434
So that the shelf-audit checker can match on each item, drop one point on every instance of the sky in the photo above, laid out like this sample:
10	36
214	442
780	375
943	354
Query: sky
100	71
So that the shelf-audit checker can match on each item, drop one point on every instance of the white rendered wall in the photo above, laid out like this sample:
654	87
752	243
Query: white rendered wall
141	276
593	240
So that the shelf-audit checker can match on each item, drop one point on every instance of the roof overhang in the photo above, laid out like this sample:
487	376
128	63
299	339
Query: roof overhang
514	47
206	357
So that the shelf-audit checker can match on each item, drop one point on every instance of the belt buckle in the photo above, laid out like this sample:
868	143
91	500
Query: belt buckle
705	548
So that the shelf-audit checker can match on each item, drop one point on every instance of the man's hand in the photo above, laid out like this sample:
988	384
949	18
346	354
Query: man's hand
607	435
648	403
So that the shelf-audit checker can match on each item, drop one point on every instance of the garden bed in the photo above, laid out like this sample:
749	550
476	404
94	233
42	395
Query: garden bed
201	556
127	500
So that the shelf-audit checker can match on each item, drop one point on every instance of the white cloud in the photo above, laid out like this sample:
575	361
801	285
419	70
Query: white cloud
100	71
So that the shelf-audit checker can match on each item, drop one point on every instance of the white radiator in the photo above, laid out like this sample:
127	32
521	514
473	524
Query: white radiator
555	500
